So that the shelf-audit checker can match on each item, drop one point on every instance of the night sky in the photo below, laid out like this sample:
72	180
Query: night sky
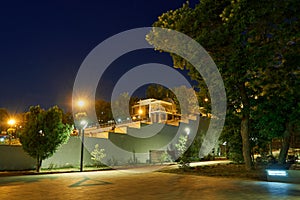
43	44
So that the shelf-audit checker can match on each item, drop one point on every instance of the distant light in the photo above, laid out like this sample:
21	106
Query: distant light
133	117
206	99
119	120
276	172
41	133
1	139
83	122
140	111
187	130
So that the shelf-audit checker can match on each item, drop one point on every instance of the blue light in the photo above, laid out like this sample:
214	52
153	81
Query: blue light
276	172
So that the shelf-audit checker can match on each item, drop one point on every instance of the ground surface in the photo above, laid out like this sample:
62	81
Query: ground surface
141	183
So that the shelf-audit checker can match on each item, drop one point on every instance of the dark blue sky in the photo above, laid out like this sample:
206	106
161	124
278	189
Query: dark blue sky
43	43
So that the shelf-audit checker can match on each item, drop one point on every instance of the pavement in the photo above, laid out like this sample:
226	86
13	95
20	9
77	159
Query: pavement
124	184
144	182
134	169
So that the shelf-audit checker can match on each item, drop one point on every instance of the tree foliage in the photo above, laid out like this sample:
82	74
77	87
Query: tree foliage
103	111
159	92
4	116
256	48
181	148
43	133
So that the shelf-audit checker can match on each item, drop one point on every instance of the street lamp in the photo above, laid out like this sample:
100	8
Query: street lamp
82	125
187	130
11	130
80	103
206	106
11	122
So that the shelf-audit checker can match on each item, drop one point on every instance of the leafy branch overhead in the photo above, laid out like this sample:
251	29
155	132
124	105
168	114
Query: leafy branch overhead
255	45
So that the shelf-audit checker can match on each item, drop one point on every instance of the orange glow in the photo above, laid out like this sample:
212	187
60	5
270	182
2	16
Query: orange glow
140	111
11	122
80	103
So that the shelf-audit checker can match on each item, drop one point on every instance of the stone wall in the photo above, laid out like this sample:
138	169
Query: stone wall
120	149
13	157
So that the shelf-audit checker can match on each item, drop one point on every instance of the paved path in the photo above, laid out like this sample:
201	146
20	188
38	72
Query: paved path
123	184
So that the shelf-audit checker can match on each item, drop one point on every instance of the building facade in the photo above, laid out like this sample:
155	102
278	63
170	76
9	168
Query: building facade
154	111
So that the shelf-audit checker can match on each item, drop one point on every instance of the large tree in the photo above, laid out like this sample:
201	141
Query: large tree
278	110
43	132
243	37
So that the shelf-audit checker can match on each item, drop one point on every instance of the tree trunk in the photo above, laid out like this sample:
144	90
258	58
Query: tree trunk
285	145
38	164
271	147
245	126
246	142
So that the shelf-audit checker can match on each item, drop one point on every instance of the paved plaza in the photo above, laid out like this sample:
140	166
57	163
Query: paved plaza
124	184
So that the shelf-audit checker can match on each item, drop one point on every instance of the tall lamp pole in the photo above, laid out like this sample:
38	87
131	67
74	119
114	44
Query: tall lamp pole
11	130
82	125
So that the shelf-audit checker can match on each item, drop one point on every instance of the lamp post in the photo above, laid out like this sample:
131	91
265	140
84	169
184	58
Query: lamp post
11	130
187	131
82	125
206	106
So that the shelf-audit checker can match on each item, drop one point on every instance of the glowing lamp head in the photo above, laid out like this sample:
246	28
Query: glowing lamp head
80	103
83	122
11	122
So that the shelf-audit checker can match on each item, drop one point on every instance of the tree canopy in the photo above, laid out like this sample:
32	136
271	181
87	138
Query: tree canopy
255	46
43	133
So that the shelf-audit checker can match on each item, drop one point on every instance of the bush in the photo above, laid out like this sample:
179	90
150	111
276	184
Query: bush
164	157
236	157
97	155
